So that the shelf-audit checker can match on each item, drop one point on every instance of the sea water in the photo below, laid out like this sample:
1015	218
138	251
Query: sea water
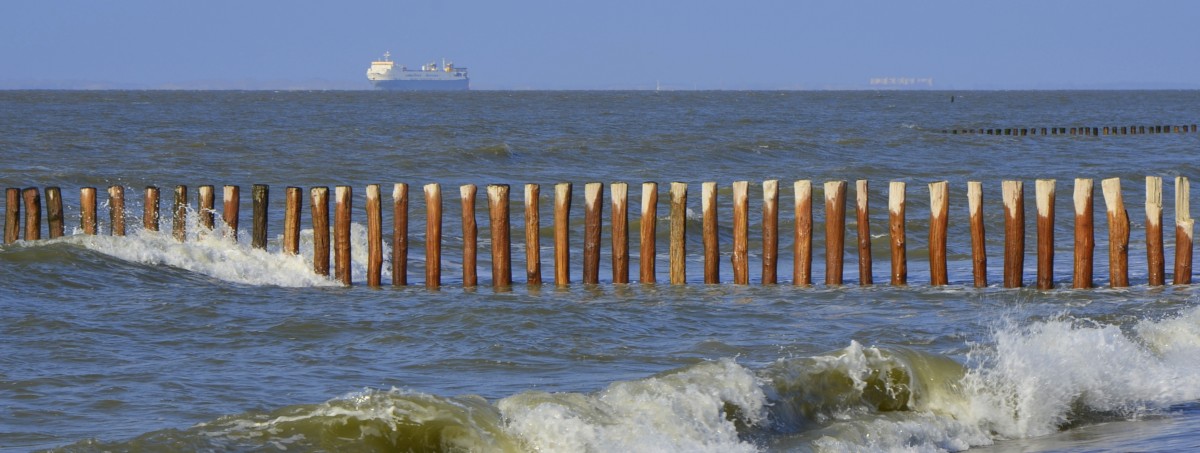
144	343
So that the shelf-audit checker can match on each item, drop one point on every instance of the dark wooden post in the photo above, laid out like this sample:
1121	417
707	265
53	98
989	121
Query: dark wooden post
179	211
12	215
232	205
678	250
116	210
400	234
374	237
978	234
501	233
835	230
647	233
770	232
896	214
939	219
1044	192
620	232
712	252
1183	232
593	197
562	243
1085	241
1118	233
1013	194
343	197
802	238
150	209
258	238
741	226
470	236
433	236
1155	259
320	223
291	220
87	210
204	208
33	213
863	213
533	226
54	212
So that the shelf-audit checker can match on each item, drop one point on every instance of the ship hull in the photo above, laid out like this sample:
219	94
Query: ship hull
423	85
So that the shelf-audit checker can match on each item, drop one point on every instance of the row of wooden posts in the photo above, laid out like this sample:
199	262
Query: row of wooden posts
498	207
1106	130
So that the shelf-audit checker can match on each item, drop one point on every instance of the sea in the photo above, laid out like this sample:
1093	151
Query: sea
144	343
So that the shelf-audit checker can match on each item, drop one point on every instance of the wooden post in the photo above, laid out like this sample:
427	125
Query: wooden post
647	234
374	237
433	236
1155	259
1183	232
205	207
1044	192
33	213
320	223
770	232
835	230
400	234
1118	233
593	197
501	232
232	206
939	220
1085	241
802	238
862	211
620	232
678	233
87	210
54	212
710	234
978	234
179	211
291	220
150	209
533	226
258	238
116	210
562	243
896	209
1013	193
343	196
741	266
12	215
470	236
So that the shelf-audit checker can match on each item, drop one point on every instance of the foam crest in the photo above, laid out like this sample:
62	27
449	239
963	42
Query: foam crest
688	410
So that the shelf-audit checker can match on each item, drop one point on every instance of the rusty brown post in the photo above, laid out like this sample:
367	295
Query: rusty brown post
470	252
374	237
1044	193
835	230
343	197
712	252
620	232
1183	232
593	198
498	200
1155	259
204	208
12	215
291	220
1085	241
939	220
1013	194
863	214
802	238
54	212
741	226
647	233
562	244
400	234
1118	233
33	213
320	223
770	232
116	210
433	236
232	206
533	226
899	241
150	209
978	233
678	250
87	210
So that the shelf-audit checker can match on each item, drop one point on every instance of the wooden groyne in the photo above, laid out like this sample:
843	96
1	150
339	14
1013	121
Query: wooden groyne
1077	130
24	208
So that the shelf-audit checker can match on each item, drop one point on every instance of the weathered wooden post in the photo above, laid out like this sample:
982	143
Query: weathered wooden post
400	234
258	237
433	236
678	233
1155	259
648	231
1014	233
620	232
712	252
562	244
978	234
501	233
33	213
593	197
802	238
470	253
232	205
939	220
835	230
374	237
1044	192
1183	232
896	209
320	223
533	226
343	196
87	210
770	232
12	215
741	226
1118	233
863	214
205	207
150	209
54	212
116	210
179	211
291	220
1085	241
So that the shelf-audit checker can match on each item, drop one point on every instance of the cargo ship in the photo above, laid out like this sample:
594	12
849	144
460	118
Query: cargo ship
431	77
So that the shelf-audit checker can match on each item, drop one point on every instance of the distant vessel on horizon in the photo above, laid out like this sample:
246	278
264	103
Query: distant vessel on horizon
431	77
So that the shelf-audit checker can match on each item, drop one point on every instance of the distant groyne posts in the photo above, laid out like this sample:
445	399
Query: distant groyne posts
24	207
1076	130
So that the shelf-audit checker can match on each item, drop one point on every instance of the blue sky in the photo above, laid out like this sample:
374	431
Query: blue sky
613	44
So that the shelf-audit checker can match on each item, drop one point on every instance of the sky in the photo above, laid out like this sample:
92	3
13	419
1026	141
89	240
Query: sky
609	44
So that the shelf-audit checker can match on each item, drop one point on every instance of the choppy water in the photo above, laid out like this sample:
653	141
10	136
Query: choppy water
142	343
